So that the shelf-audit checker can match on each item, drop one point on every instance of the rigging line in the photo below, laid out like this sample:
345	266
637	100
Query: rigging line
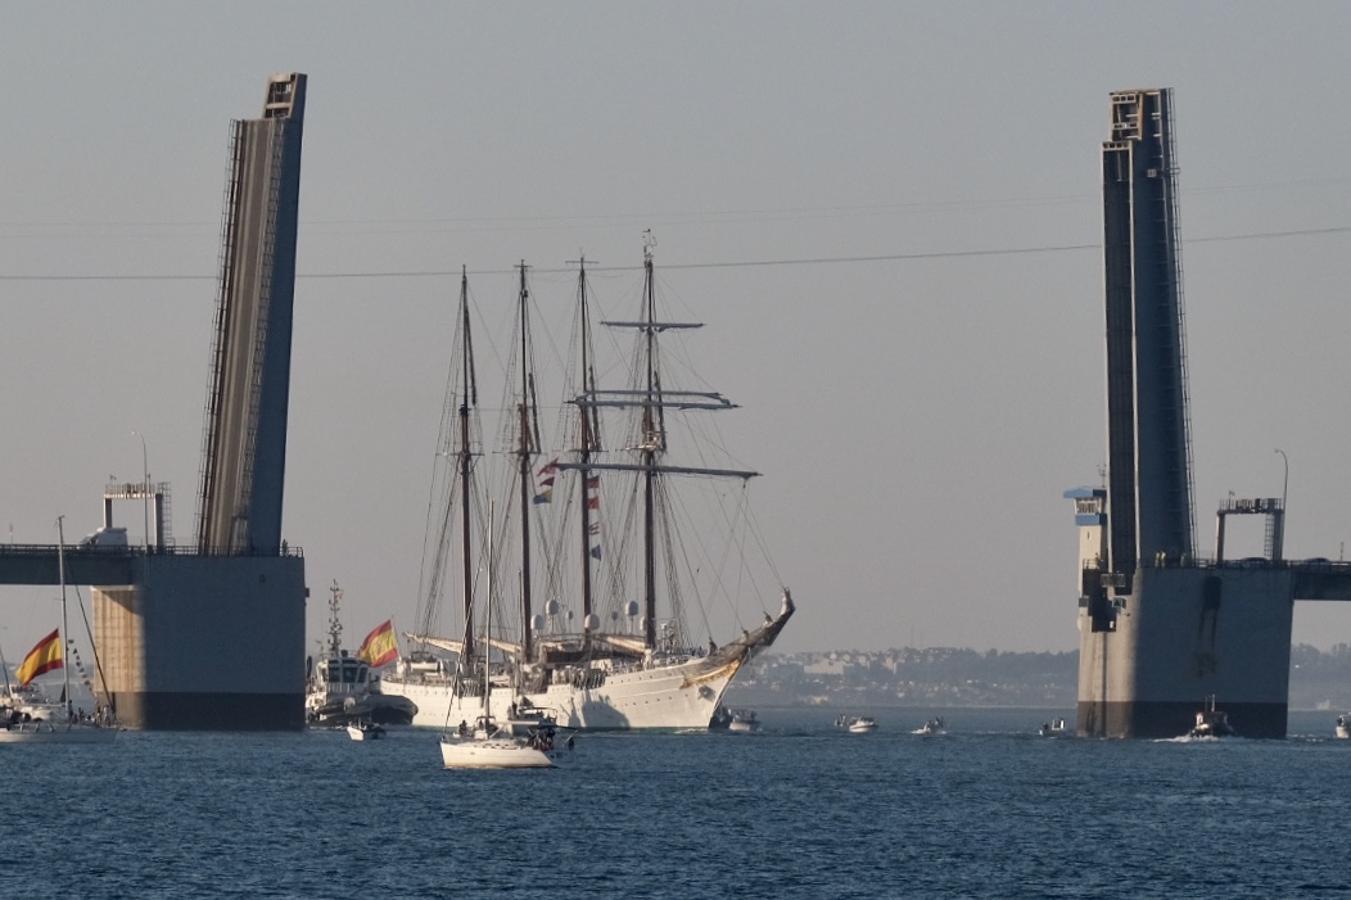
681	512
725	264
94	647
753	522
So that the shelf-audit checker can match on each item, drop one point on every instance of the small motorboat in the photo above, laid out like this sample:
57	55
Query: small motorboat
862	725
1343	730
932	727
1053	728
744	721
1211	722
365	731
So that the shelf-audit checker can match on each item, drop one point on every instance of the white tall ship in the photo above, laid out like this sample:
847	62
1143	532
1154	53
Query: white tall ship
642	670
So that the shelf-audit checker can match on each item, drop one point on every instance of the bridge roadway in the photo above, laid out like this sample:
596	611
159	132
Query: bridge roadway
37	564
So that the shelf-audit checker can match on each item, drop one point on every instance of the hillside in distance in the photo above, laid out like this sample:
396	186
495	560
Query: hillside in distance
957	676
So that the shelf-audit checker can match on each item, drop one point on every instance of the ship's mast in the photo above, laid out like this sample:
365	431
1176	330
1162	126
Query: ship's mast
334	625
653	399
529	429
468	398
589	435
65	628
488	618
653	441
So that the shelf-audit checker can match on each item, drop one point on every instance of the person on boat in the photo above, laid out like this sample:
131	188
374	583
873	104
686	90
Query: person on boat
464	728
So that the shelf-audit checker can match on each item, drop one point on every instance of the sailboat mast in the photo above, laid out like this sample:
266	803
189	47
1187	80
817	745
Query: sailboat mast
524	453
586	411
468	397
65	628
488	613
651	441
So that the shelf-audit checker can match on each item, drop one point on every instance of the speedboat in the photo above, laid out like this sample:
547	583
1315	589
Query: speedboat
1053	728
1343	730
1211	722
862	725
365	731
744	721
492	746
931	727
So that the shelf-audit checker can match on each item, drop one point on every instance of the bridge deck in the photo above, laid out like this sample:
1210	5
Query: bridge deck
36	564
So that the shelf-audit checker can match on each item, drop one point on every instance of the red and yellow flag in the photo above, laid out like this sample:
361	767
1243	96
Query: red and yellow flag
45	657
379	648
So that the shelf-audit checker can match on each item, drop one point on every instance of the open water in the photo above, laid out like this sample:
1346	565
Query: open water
799	810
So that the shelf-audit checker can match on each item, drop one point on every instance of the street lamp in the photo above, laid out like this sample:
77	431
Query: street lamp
145	490
1285	483
1285	487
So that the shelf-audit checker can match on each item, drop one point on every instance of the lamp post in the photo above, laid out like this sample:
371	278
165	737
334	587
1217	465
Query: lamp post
1285	482
1285	488
145	490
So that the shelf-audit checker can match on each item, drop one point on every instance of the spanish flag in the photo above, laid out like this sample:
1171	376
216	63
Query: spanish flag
379	647
45	657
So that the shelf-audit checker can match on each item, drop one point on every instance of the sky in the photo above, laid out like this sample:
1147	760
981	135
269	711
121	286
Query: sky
917	404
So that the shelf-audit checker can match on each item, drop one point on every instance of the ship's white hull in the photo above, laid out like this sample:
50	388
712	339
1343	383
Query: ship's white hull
677	697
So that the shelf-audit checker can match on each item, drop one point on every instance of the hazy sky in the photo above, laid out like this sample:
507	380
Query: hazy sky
916	419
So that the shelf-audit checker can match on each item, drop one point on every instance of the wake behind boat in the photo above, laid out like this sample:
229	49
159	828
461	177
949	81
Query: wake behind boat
632	670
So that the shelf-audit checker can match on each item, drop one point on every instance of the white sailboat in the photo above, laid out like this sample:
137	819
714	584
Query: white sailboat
66	727
595	678
489	745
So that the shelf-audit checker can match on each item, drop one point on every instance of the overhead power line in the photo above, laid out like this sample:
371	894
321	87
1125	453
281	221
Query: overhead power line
725	264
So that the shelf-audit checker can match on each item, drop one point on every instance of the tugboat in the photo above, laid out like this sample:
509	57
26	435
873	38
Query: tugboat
1343	730
1211	722
341	689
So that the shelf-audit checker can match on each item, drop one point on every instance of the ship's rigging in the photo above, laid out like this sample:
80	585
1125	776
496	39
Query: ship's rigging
615	494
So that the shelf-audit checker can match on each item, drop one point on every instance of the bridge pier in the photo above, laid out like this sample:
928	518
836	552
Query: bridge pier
203	642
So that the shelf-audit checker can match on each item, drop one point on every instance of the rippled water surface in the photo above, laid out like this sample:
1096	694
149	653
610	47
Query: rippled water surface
800	810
